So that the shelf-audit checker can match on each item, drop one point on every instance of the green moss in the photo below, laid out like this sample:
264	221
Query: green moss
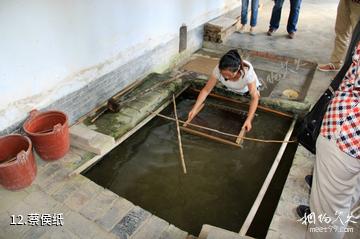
133	112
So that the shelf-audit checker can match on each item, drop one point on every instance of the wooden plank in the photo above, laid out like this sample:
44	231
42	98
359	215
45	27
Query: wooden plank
195	132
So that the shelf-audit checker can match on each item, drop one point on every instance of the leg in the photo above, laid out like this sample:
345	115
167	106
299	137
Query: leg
293	16
244	11
342	33
254	12
354	14
335	180
276	14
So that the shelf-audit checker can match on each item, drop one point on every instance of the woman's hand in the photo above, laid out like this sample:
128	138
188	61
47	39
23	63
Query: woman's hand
191	115
247	125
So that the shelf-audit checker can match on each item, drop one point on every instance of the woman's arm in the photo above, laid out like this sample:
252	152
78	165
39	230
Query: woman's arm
202	96
253	105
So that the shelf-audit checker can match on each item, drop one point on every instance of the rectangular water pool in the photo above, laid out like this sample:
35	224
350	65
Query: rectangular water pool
222	181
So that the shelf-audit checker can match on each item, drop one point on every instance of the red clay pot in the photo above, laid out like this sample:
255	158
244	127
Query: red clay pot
49	132
17	163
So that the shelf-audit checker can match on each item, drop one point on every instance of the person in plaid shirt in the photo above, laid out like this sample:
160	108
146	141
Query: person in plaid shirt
341	122
336	182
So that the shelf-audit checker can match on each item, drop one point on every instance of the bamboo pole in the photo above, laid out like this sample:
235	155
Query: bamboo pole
195	132
179	137
266	109
197	112
240	138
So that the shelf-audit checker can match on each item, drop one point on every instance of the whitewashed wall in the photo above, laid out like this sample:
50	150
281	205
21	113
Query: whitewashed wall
50	48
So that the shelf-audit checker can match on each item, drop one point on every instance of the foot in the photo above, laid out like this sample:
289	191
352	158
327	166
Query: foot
271	31
308	180
252	31
303	211
291	35
329	67
242	29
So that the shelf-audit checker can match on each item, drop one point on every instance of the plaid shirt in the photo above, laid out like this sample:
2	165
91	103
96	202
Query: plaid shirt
342	119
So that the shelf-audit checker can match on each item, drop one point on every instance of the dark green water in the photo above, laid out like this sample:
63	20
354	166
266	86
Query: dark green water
222	180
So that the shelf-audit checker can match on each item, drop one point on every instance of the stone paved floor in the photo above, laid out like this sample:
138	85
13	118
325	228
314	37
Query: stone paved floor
89	210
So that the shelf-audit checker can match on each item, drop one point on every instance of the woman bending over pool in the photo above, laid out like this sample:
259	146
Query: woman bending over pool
238	76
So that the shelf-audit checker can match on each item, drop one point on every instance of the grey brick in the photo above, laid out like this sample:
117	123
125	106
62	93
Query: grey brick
99	205
40	202
152	229
59	233
50	169
5	220
117	211
70	159
71	186
83	195
80	226
104	235
14	231
8	198
35	232
173	232
56	181
130	223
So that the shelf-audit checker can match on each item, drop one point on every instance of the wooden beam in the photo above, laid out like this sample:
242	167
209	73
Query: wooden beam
263	108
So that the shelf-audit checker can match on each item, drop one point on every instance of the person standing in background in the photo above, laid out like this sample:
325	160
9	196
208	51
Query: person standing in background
348	14
244	13
292	20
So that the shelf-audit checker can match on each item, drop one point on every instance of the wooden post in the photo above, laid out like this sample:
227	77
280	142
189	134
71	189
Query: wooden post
179	138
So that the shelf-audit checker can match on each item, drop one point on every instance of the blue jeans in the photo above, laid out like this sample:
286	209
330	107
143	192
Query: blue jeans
254	11
293	16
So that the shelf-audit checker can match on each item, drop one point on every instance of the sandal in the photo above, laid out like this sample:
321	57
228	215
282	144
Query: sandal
328	67
241	29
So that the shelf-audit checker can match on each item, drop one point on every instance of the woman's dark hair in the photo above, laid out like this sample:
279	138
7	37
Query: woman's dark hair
231	61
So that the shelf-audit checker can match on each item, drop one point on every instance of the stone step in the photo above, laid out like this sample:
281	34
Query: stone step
87	139
212	232
222	23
